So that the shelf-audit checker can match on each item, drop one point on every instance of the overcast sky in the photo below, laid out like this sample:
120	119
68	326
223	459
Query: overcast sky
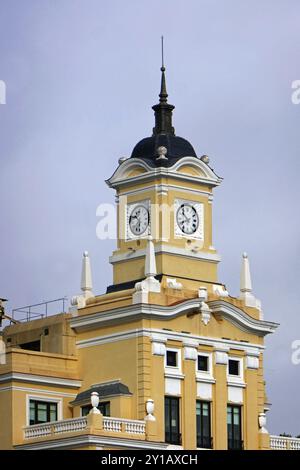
81	78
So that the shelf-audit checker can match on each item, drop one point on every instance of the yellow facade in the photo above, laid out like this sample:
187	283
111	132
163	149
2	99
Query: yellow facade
122	342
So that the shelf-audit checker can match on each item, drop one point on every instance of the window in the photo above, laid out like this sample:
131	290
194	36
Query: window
234	367
172	425
203	363
234	428
32	346
104	408
172	359
42	412
203	421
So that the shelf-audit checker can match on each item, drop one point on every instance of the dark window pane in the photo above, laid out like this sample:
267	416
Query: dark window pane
203	423
203	363
104	408
32	413
42	412
172	358
33	346
234	367
234	427
172	429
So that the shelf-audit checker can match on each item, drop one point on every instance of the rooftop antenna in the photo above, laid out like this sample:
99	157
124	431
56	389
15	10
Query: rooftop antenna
162	53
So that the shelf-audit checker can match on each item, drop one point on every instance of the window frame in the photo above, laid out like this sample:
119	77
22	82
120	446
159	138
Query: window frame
43	399
210	443
202	373
237	378
174	369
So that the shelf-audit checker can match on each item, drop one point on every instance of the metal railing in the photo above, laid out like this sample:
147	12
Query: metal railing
29	312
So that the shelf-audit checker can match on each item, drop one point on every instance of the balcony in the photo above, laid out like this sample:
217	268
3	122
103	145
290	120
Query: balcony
284	443
126	427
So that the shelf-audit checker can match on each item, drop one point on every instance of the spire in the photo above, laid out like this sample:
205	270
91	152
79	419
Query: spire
163	110
86	276
246	284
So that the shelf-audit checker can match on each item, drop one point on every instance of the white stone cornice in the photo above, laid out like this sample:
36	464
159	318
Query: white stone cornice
241	319
231	313
37	390
162	248
164	188
120	177
160	336
40	379
89	439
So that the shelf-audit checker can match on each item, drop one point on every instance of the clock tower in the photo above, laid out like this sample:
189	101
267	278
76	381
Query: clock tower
165	190
165	358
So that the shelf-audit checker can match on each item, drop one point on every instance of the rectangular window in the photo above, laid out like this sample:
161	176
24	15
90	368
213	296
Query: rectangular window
42	412
172	425
32	346
104	408
234	367
234	427
203	364
203	421
172	359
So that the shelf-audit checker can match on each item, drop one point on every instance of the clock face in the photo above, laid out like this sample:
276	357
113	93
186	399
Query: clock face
187	219
139	220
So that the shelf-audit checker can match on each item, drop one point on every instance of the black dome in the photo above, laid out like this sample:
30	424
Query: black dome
177	147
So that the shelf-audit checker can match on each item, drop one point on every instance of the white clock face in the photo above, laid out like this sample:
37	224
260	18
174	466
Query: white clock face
139	220
187	219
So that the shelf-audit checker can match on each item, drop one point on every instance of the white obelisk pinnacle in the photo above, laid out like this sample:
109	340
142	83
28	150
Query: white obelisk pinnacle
246	284
86	276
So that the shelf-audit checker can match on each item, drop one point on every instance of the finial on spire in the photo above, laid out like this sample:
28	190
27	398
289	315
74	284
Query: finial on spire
163	96
162	53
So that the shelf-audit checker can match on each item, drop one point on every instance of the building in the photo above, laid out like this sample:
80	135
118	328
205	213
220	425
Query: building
166	358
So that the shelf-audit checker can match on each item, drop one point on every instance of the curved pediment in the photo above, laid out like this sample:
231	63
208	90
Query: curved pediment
187	168
224	309
191	170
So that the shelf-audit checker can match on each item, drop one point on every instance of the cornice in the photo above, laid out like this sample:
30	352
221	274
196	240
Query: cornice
231	313
120	178
87	440
162	248
40	379
241	319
